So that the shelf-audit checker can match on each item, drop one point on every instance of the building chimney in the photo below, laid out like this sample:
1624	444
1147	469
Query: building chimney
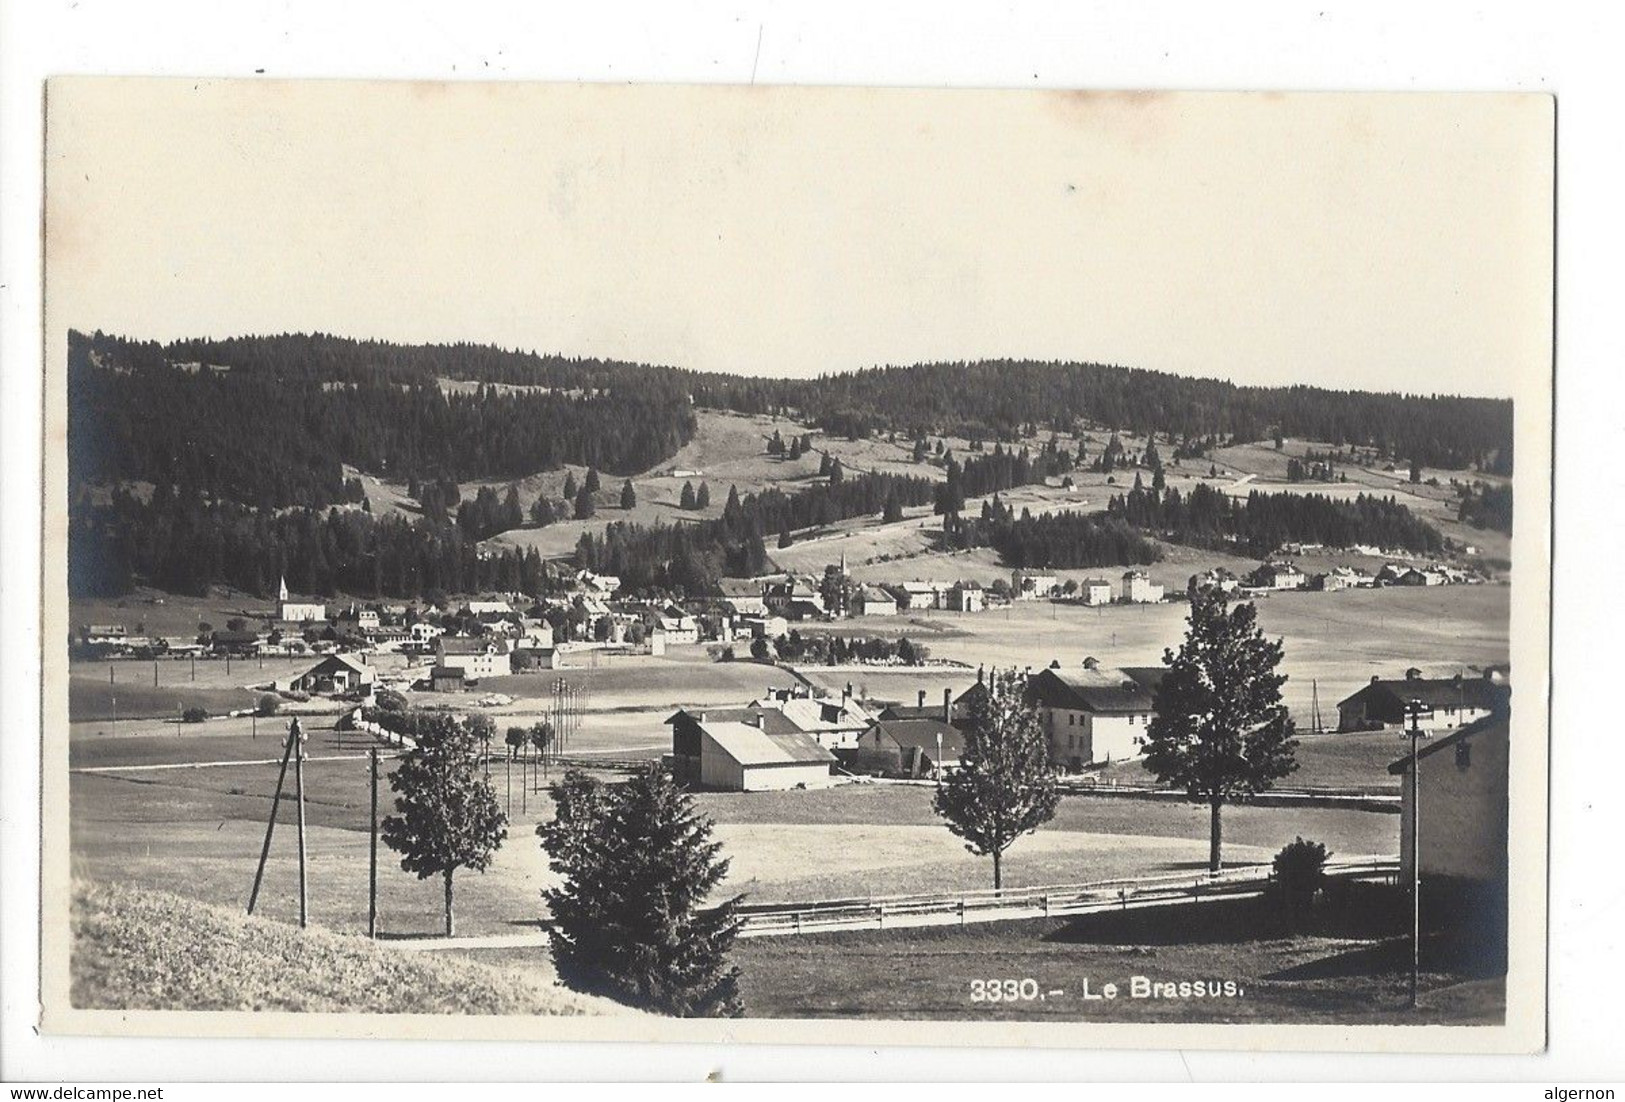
1375	678
1091	663
1413	674
981	670
947	705
921	703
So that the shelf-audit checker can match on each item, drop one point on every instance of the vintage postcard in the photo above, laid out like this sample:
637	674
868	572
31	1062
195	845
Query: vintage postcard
681	563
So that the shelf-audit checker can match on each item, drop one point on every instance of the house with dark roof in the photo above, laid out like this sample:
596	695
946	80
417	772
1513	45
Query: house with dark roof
335	673
1448	702
906	747
1095	714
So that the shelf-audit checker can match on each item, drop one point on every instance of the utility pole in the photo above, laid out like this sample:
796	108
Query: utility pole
372	870
1413	714
270	824
298	735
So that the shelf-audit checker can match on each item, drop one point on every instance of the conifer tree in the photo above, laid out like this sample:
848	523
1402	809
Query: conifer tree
1220	731
591	485
630	919
702	499
570	487
584	504
629	496
1005	785
686	501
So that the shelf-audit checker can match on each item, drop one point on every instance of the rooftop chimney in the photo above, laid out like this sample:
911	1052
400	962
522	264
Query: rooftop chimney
1413	674
947	705
981	670
1091	663
1375	678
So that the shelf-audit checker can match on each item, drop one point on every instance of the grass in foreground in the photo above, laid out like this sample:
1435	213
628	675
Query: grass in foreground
1347	966
138	949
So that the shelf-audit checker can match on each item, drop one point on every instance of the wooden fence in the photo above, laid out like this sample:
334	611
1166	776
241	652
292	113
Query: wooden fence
888	912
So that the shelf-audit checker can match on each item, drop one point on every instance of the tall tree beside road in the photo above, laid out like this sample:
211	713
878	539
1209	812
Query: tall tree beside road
1005	785
1220	731
448	817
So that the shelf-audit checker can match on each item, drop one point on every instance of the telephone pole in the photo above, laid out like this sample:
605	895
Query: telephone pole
372	870
1413	714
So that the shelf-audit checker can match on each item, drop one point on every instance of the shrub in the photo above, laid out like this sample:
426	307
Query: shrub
194	715
388	700
268	705
1300	872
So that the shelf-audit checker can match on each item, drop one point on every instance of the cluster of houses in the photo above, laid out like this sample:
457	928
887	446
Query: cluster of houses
1137	588
1283	574
1092	715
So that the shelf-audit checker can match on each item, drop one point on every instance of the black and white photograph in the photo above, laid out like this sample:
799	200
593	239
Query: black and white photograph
669	562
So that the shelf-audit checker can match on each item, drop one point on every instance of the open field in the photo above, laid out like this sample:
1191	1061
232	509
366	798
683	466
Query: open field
163	687
728	449
129	946
1344	966
199	831
1339	640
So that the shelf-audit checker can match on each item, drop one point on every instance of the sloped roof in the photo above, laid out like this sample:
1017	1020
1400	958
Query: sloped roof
1435	692
922	734
467	644
749	745
774	722
1104	691
1491	725
823	713
740	587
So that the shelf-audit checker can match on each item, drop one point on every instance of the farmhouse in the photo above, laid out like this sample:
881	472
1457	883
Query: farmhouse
235	642
1422	576
679	627
921	710
1139	589
1095	714
597	585
874	601
1095	591
1463	846
1028	585
967	597
482	657
358	619
1278	575
1448	702
830	721
289	609
446	679
749	749
1338	578
336	673
910	747
743	596
794	599
1214	578
914	595
762	627
104	635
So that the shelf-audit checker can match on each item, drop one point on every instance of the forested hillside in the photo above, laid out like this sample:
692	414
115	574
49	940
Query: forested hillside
270	423
244	443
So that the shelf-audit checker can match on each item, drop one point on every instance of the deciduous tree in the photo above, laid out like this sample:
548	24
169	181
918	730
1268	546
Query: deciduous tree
447	816
1005	785
1220	731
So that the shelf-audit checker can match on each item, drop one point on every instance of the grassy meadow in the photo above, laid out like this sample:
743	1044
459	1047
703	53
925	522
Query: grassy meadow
142	949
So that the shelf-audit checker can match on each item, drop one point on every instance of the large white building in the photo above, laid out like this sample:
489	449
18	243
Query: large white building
1139	589
1095	714
485	656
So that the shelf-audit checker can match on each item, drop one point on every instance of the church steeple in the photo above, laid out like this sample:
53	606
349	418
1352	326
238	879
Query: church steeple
282	589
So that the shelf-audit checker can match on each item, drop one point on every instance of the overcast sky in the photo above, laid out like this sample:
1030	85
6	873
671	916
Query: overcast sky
1375	242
